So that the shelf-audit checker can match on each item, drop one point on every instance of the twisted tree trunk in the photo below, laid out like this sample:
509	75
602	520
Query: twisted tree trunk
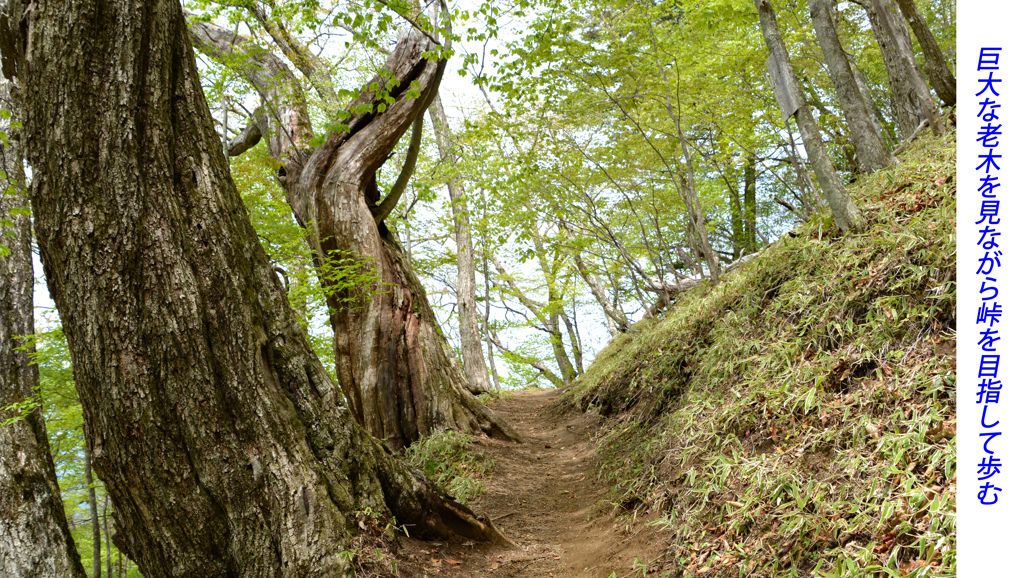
225	447
34	537
392	360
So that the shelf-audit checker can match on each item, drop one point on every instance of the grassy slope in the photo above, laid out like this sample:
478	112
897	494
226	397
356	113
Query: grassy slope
798	419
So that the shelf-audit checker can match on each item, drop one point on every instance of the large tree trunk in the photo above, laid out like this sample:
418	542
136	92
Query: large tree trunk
912	102
34	537
465	288
845	212
871	151
393	363
225	447
934	61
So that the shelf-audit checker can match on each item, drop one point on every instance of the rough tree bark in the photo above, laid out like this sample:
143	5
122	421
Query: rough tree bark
912	101
872	153
845	212
225	447
934	61
392	360
465	288
34	537
877	119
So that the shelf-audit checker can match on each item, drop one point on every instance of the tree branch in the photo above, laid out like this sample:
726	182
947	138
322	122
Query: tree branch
388	204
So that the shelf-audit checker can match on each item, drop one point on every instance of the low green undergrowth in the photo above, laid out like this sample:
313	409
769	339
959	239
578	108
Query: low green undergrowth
489	397
799	419
449	460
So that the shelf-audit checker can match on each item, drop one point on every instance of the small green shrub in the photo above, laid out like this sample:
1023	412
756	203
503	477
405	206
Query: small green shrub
449	461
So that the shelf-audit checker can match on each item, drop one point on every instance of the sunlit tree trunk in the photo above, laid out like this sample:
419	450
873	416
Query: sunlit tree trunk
224	446
34	537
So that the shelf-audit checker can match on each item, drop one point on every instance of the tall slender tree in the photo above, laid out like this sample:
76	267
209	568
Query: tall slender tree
224	445
872	153
465	288
94	514
790	95
34	536
934	61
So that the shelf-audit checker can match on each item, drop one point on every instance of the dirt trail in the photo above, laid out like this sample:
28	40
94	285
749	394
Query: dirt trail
545	497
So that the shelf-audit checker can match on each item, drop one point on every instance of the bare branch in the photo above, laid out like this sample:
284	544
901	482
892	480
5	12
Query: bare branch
245	140
799	214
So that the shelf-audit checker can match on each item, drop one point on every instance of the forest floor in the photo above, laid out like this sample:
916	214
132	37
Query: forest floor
546	498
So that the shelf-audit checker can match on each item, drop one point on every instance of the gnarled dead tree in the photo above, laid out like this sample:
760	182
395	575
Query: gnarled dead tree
392	360
224	445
